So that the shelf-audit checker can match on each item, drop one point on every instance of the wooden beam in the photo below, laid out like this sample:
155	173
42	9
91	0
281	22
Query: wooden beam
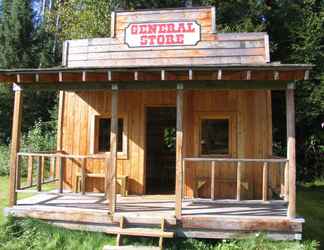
213	20
113	24
286	182
30	171
15	144
238	180
83	176
61	174
179	152
212	185
39	173
59	140
265	182
112	166
291	150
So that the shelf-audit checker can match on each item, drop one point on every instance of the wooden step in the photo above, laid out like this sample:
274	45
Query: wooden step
141	232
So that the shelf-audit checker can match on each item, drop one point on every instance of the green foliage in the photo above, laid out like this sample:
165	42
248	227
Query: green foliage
4	160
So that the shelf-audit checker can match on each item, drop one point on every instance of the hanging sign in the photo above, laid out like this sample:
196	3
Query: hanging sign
177	33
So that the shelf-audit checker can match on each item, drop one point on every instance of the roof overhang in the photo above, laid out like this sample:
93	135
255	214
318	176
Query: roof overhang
235	76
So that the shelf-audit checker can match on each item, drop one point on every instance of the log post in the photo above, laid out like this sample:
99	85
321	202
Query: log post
15	144
59	141
291	150
39	173
111	168
30	171
179	153
286	181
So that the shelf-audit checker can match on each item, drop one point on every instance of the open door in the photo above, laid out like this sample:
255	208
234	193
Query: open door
160	150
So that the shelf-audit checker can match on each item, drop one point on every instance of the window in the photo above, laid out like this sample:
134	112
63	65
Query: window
99	140
104	135
214	138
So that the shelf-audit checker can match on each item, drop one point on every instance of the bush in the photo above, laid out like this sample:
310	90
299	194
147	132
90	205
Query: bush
4	160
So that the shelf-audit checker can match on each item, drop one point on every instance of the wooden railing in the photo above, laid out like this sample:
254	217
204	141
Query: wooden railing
280	162
55	170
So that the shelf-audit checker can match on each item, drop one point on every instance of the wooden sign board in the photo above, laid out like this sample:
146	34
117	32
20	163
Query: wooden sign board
168	37
157	34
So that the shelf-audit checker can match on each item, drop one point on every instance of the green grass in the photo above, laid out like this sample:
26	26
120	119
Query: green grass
33	234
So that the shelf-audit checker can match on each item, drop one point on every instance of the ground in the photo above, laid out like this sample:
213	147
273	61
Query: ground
31	234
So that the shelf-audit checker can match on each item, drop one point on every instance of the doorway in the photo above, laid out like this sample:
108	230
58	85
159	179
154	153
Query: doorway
160	150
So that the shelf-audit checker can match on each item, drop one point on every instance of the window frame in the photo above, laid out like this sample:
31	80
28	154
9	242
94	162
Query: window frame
94	137
232	145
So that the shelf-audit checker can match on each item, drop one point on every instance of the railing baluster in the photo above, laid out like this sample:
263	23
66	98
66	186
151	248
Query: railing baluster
286	181
238	181
39	174
52	168
30	171
43	168
265	181
212	185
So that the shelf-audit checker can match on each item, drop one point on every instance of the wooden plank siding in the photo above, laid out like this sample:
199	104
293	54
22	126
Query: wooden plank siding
251	119
213	48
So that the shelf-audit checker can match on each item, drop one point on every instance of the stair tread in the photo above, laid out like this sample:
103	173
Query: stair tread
137	231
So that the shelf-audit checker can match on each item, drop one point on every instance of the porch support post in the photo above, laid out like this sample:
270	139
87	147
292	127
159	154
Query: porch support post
112	166
291	150
179	152
15	144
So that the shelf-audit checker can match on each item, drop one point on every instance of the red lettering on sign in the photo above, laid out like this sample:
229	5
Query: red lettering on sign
180	39
134	29
190	28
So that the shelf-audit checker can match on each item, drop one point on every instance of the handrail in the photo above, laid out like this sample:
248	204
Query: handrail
270	160
280	162
92	156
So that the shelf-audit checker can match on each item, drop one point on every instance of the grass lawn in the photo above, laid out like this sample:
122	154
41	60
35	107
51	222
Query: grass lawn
32	234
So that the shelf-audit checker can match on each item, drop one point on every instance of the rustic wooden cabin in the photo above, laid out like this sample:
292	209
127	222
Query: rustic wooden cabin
167	122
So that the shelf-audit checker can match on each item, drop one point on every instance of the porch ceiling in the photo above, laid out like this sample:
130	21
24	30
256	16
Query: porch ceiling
235	76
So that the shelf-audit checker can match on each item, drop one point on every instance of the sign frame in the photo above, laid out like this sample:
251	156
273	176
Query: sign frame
161	46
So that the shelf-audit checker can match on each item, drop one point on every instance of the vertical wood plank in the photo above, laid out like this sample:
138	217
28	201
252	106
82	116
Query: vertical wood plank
212	185
265	181
30	171
291	150
112	166
286	181
15	145
18	178
52	168
179	152
238	181
43	168
39	174
83	176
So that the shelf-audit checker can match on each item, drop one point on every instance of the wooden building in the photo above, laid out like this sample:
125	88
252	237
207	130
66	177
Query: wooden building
176	118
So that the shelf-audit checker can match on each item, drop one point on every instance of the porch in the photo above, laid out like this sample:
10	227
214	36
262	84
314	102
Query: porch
201	218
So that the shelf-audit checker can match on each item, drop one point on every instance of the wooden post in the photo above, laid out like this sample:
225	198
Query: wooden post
238	181
179	152
83	175
212	183
39	173
61	174
18	178
30	171
291	150
15	144
112	165
59	140
265	182
286	181
43	168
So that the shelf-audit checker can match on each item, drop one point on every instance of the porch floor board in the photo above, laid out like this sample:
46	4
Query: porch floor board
201	218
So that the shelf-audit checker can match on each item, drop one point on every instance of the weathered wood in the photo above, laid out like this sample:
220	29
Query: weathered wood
39	173
238	180
119	239
61	174
212	191
52	171
265	182
83	176
179	152
286	182
112	168
291	151
161	237
42	169
15	145
30	171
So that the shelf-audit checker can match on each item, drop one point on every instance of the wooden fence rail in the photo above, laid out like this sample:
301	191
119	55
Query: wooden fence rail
280	162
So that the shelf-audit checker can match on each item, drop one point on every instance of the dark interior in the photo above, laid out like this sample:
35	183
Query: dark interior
160	150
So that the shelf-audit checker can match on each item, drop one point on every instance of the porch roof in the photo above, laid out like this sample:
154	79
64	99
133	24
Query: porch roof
229	76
